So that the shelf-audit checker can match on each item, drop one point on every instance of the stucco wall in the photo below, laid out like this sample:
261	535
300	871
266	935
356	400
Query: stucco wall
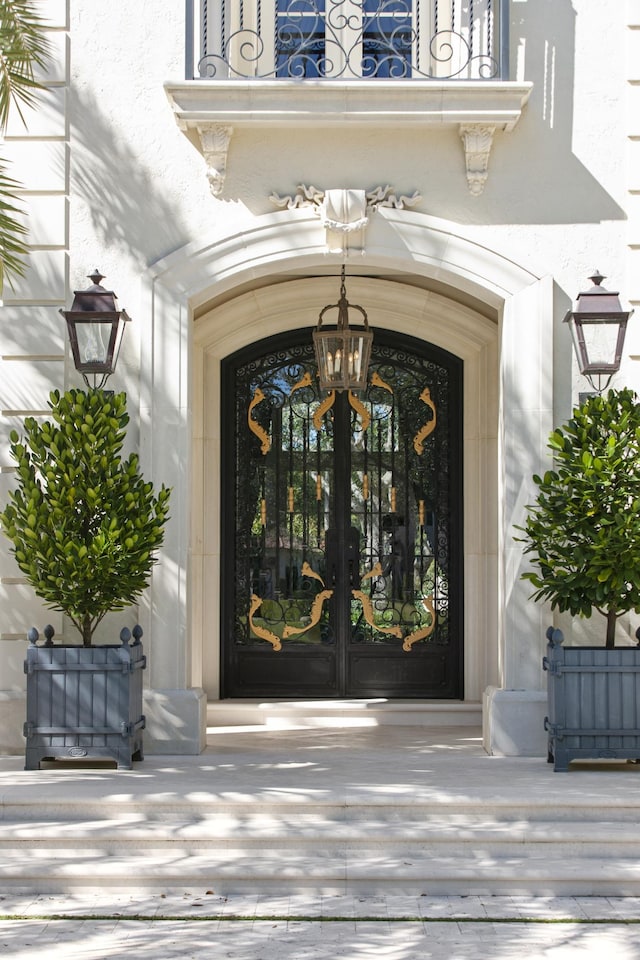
111	182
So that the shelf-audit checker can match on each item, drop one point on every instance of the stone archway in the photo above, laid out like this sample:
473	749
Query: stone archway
392	306
207	301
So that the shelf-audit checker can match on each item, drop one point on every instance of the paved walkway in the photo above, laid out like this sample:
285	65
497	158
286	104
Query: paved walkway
207	927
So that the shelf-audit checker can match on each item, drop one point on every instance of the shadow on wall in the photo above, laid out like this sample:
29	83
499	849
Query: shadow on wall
555	185
534	175
128	209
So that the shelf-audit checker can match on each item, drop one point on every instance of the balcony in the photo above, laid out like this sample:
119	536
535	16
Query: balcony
388	63
349	39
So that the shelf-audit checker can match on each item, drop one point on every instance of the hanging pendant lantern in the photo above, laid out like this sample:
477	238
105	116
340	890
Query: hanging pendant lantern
343	352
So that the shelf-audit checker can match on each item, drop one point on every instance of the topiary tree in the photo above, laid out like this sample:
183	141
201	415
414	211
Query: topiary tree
83	523
583	532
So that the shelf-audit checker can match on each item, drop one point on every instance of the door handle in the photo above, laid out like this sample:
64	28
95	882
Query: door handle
353	554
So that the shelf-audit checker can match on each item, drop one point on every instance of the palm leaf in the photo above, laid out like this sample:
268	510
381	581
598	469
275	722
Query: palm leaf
13	233
23	46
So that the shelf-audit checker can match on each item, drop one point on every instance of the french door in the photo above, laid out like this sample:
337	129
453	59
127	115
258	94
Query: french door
342	525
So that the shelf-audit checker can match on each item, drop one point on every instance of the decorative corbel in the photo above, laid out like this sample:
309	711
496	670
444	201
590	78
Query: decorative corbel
477	139
214	143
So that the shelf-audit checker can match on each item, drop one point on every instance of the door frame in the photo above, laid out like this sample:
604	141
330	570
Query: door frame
292	304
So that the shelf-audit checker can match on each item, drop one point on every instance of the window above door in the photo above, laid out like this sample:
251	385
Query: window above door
348	39
386	64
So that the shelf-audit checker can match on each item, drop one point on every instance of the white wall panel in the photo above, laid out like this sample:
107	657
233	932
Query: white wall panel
45	220
46	118
44	278
12	657
53	12
38	165
20	610
27	329
26	384
57	61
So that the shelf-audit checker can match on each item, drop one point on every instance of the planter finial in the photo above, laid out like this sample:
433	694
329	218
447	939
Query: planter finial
555	637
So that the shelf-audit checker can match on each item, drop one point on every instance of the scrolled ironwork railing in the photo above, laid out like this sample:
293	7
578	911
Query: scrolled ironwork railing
347	39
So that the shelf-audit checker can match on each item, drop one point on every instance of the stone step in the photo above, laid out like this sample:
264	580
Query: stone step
324	812
295	846
326	875
496	848
284	714
303	830
291	811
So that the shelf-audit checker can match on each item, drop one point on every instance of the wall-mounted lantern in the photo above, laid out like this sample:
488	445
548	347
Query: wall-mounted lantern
95	326
343	352
598	326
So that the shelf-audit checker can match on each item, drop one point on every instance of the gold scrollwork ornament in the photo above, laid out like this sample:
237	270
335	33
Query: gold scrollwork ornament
361	410
367	609
324	407
256	428
423	632
316	613
262	632
377	381
430	425
306	381
317	605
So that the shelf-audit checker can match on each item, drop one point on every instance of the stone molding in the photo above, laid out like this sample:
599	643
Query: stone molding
345	212
209	111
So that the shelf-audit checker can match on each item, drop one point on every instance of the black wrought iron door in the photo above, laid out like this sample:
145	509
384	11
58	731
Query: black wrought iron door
342	525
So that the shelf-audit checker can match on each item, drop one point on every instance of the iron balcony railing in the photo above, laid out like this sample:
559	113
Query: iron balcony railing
347	39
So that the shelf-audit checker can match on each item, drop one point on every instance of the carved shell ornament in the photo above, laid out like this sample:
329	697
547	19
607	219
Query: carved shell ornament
345	212
374	199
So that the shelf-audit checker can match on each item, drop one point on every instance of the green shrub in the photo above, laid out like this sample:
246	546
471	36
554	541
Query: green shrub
83	523
583	532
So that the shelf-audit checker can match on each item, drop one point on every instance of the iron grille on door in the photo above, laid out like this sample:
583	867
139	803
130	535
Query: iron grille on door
342	525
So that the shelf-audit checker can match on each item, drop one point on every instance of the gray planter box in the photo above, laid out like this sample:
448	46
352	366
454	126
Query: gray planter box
84	702
594	702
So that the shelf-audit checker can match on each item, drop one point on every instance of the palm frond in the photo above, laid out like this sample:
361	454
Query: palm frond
13	233
23	46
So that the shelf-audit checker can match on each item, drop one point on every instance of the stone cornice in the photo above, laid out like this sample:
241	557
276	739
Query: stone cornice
208	111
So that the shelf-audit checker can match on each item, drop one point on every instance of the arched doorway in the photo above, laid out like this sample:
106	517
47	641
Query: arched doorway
424	278
342	524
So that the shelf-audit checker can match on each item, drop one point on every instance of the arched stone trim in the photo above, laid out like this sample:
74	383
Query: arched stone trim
392	306
509	377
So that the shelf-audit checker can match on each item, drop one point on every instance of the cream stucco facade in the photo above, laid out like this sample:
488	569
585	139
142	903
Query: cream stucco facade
180	217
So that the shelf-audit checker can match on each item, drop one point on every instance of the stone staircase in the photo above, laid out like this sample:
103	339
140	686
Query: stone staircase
323	848
419	810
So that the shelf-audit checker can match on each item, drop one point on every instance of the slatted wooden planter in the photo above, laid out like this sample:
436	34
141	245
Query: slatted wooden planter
84	702
594	702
